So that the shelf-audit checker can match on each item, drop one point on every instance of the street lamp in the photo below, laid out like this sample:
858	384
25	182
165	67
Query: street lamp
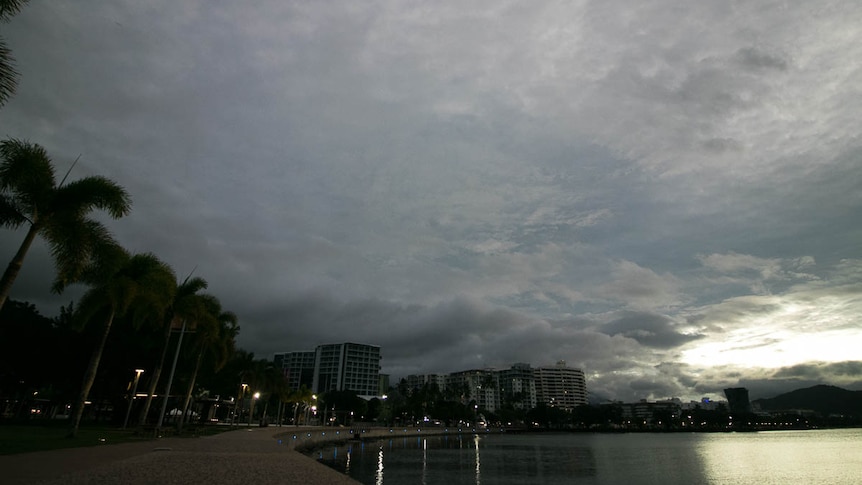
309	407
255	397
240	401
138	373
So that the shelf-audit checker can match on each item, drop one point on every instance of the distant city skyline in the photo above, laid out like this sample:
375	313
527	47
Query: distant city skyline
663	194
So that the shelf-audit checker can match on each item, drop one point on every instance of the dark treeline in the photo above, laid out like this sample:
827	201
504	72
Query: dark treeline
43	361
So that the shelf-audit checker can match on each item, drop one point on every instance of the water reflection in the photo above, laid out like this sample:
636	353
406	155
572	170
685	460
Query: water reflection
822	456
828	456
424	459
379	475
478	473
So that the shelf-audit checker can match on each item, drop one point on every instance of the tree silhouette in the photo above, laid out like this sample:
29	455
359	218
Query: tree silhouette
8	74
186	301
30	195
216	331
140	286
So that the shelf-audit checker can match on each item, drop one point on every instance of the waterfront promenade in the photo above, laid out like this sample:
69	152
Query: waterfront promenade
253	455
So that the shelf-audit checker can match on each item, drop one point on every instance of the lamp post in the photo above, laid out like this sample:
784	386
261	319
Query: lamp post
138	373
239	402
310	407
254	398
170	381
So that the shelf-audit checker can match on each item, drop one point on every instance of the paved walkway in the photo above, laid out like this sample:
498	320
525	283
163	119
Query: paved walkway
247	455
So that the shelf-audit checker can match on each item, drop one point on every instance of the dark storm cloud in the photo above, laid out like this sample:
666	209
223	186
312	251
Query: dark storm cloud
455	335
648	329
822	371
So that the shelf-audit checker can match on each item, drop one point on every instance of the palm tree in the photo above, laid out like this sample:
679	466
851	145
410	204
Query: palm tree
185	302
138	286
216	331
301	398
30	195
270	382
262	379
8	74
243	362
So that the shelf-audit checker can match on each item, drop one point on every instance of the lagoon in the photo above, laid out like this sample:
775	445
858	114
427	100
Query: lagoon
771	457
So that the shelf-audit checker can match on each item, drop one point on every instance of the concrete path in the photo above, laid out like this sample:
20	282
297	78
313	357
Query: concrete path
247	455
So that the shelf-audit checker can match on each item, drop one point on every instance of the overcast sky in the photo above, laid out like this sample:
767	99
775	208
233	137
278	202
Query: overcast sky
666	194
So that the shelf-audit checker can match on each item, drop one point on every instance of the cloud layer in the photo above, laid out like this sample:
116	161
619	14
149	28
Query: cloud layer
663	193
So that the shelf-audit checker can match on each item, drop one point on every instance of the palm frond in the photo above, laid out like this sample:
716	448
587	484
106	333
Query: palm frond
26	174
140	285
8	8
191	286
83	251
10	213
81	196
8	73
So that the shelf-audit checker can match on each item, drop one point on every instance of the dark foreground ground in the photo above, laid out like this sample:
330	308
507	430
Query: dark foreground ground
248	455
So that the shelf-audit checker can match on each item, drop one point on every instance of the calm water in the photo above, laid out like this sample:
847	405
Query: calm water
773	457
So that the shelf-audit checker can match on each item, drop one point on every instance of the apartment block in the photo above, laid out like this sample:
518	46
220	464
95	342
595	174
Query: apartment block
418	381
479	385
297	367
518	386
347	367
560	386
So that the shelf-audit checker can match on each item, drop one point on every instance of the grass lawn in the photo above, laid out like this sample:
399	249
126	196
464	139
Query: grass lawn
24	438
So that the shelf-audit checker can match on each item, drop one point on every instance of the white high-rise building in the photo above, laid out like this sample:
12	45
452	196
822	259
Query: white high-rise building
560	386
347	367
477	385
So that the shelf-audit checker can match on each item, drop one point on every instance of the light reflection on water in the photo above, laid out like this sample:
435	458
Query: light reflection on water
785	457
478	474
818	456
379	475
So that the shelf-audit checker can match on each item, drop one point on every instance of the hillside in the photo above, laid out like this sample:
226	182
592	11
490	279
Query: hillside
823	399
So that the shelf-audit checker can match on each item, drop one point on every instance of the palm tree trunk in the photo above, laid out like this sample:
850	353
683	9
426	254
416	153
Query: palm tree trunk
191	387
15	265
157	372
263	416
90	375
278	413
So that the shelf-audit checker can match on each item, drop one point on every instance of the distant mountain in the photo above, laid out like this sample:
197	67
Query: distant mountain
823	399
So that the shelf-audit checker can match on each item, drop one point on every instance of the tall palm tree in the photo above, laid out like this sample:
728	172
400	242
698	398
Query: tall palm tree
8	74
268	381
121	284
186	301
260	377
302	399
30	195
215	332
243	362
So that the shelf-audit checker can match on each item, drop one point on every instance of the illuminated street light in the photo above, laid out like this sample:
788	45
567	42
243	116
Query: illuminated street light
240	401
255	397
311	407
138	373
